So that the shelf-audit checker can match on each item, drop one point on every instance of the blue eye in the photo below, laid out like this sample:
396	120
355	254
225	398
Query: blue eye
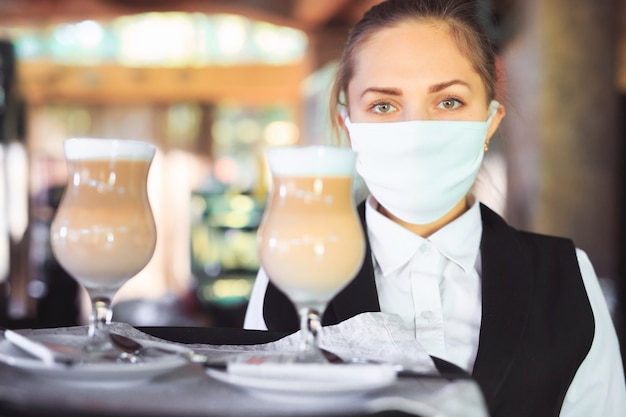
383	108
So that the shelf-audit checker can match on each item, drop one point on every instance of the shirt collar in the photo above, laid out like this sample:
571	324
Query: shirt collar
393	245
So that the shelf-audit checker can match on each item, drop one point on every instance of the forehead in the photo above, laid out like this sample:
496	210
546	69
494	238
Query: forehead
416	51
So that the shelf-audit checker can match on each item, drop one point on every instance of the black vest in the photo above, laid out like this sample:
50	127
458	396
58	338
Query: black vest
537	324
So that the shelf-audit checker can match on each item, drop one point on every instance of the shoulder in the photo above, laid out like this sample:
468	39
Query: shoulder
539	244
598	387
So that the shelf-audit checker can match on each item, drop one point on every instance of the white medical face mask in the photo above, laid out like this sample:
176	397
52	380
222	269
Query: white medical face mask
419	170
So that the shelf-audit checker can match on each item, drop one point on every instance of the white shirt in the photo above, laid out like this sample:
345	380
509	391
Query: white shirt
434	285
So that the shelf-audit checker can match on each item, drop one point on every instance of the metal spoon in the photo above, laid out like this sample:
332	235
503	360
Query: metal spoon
54	353
135	350
49	353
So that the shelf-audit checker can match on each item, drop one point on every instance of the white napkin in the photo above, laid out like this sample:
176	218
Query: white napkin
378	336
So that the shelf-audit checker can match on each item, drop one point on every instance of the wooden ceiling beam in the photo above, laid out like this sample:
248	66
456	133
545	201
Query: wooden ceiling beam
44	82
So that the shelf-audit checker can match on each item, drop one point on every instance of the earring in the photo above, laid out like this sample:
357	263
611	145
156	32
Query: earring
486	147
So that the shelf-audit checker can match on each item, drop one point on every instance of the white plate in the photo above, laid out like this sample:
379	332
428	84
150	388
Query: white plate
299	381
96	372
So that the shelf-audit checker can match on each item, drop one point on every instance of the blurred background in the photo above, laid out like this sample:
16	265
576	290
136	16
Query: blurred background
213	83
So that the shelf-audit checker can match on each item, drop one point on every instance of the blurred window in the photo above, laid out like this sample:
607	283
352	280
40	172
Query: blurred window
163	39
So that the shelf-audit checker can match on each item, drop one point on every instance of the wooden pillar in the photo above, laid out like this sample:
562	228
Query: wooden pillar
565	148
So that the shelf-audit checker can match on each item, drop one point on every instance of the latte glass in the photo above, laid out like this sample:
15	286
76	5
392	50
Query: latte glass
310	240
103	232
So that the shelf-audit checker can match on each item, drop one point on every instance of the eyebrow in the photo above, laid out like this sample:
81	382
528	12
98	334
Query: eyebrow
442	86
435	88
382	90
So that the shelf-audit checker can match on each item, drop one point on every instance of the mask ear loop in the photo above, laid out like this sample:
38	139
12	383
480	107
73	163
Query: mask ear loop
343	113
493	109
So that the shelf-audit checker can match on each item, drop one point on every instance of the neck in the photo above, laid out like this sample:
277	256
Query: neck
425	230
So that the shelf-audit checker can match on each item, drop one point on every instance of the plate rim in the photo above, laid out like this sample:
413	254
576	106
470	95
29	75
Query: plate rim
112	372
289	387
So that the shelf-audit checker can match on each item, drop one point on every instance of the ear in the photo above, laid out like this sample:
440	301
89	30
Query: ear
343	128
495	122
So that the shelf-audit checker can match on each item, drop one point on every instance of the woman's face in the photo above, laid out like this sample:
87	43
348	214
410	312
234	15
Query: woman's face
415	71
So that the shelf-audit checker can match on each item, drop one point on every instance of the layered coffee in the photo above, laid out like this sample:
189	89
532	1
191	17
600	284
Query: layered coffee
311	242
104	232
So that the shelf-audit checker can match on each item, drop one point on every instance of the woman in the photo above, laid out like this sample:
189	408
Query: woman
523	313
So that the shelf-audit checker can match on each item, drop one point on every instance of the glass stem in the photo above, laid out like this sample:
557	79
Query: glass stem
100	318
310	326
